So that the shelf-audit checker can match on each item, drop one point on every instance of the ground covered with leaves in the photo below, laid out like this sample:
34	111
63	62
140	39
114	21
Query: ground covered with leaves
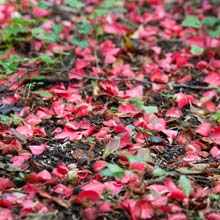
110	110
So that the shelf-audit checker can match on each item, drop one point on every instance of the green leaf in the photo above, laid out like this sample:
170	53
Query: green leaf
75	3
80	43
49	37
216	116
185	185
44	57
160	172
22	21
84	27
113	170
150	109
43	94
5	120
191	21
132	158
136	102
57	29
210	21
215	33
9	65
196	50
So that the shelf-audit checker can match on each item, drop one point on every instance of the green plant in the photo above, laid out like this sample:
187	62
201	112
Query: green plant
216	116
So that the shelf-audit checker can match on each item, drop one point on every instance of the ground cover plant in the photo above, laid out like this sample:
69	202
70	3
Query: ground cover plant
110	109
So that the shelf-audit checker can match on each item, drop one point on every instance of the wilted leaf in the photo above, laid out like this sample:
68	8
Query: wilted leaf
112	146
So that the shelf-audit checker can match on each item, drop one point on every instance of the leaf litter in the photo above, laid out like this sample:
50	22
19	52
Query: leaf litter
109	110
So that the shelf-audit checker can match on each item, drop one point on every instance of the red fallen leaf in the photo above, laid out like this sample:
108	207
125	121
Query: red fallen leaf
39	12
213	216
19	160
127	108
143	210
5	183
113	186
88	195
183	100
6	214
109	51
69	134
215	152
37	149
31	189
61	170
134	92
42	176
58	108
216	135
33	119
138	166
160	202
204	129
158	76
99	165
170	133
4	203
94	186
90	213
63	190
209	107
159	189
213	79
28	206
216	188
177	216
157	87
105	206
111	88
25	130
89	132
44	194
181	61
174	112
177	194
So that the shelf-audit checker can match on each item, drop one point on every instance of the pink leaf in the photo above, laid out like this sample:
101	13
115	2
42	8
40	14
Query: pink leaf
135	92
216	135
213	79
37	149
174	112
90	195
177	216
215	152
94	186
158	76
90	213
143	210
204	129
183	100
99	165
5	183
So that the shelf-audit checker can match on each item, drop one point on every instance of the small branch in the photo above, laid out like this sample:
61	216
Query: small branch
146	82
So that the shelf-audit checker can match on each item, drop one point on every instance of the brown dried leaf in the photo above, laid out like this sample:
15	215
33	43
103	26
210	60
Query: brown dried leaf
112	146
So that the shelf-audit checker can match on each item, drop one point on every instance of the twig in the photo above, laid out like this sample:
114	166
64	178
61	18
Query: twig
146	82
